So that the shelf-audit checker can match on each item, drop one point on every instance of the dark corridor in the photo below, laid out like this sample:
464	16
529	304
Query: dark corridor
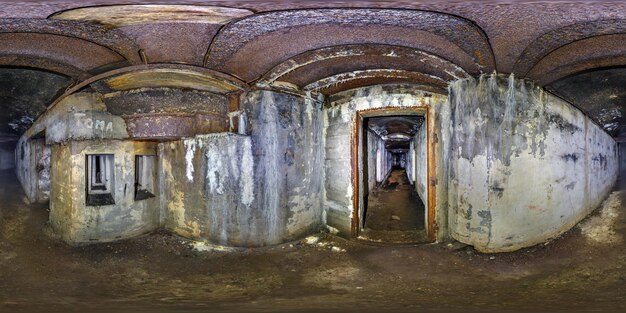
395	213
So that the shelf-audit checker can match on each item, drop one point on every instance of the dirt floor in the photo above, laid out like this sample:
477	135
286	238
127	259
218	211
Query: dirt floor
583	270
395	213
395	205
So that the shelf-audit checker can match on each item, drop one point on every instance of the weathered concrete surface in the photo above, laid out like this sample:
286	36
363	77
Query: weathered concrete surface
174	76
287	146
251	46
304	42
421	160
147	113
373	142
253	190
32	167
81	116
73	220
525	166
208	188
338	125
7	159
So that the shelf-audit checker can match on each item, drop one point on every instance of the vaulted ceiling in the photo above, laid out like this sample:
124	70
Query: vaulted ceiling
574	49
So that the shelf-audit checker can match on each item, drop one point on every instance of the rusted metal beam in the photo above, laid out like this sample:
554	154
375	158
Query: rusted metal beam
43	64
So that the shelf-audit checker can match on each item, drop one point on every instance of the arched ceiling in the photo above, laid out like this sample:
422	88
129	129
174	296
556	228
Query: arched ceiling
319	46
396	130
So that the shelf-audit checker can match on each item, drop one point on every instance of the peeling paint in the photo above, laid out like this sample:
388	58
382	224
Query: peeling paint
502	127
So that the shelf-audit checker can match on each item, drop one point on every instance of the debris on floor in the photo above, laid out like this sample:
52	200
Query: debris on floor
332	230
311	240
203	246
600	228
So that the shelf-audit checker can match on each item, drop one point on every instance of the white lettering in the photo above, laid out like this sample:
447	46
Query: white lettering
100	125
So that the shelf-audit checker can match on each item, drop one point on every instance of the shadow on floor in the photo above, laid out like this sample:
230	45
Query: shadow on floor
395	213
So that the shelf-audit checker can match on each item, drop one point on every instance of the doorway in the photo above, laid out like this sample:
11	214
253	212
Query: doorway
395	201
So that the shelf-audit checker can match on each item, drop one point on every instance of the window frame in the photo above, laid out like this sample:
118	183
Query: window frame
144	176
99	179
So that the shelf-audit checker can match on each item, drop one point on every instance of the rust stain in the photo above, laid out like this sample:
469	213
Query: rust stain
354	144
536	208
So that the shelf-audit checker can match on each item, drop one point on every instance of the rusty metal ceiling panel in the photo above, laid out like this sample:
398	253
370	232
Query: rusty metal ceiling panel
556	38
314	65
264	40
107	37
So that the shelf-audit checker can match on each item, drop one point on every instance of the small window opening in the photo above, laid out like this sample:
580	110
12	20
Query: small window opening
144	177
99	179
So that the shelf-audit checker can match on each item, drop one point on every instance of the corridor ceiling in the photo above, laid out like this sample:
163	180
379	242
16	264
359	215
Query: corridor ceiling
396	130
574	49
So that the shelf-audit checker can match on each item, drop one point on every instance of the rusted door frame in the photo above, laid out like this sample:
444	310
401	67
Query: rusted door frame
356	152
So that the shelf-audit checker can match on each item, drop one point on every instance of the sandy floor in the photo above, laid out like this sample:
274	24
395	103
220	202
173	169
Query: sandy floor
583	270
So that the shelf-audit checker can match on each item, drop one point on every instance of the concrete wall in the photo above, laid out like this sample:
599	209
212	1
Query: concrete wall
622	155
339	119
32	166
514	166
81	116
259	189
526	166
7	159
73	220
208	186
410	162
372	147
421	181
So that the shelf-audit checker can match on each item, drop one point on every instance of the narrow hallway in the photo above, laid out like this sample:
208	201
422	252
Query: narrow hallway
395	212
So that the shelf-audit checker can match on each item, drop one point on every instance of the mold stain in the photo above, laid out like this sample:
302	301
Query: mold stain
570	157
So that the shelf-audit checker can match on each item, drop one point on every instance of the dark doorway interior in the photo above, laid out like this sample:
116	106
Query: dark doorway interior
394	205
393	210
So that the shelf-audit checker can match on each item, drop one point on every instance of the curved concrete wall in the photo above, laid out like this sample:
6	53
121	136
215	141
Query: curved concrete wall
525	166
248	190
514	167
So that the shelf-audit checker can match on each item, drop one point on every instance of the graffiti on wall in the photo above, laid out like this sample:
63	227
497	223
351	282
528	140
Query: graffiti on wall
96	124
